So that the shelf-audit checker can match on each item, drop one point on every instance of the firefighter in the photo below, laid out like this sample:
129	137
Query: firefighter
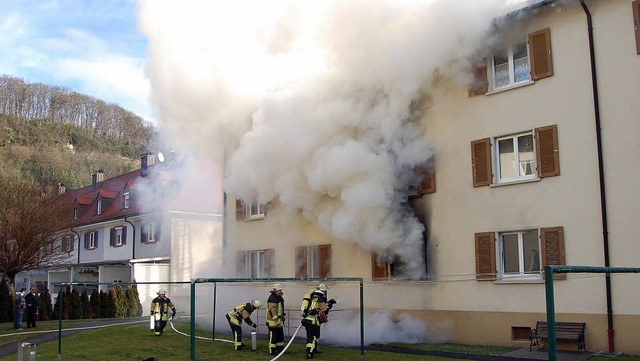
160	310
236	315
275	319
315	309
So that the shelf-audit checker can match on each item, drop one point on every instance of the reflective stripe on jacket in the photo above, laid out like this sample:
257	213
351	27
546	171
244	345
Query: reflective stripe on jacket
160	307
313	301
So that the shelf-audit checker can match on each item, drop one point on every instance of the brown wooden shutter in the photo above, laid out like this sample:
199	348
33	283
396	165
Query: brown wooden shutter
481	162
378	271
241	213
547	149
540	54
124	235
427	179
96	239
158	233
269	262
86	240
301	261
268	207
480	85
485	256
636	22
324	252
552	249
240	264
144	236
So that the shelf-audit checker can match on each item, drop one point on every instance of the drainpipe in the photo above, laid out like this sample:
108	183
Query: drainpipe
133	245
603	198
77	234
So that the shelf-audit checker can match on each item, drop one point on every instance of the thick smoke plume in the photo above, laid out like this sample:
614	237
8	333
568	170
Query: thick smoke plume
315	104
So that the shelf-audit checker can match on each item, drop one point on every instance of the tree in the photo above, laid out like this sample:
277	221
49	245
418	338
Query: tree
45	310
95	304
84	300
135	307
32	218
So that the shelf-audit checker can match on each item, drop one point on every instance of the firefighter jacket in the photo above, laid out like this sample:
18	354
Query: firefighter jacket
314	308
242	312
275	310
160	308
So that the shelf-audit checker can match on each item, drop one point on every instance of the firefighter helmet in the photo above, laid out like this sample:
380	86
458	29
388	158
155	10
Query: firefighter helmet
256	303
277	287
162	292
322	287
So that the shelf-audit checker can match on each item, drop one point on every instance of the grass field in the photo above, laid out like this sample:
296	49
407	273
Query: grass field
134	341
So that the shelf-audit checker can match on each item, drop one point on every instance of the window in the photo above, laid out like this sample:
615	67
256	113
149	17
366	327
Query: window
118	237
515	157
514	64
150	232
385	270
67	243
519	157
250	211
313	261
126	199
75	213
99	207
518	254
256	264
91	240
510	66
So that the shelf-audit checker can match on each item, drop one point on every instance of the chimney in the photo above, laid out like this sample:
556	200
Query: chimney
61	188
96	178
146	161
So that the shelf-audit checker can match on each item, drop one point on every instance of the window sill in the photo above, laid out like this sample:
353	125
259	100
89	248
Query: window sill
515	182
509	87
511	281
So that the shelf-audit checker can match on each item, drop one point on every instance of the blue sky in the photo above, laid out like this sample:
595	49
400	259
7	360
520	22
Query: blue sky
90	46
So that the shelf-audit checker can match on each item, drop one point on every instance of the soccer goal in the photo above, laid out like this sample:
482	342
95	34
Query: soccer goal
219	290
550	300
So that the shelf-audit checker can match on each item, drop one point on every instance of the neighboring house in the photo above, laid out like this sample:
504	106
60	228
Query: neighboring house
518	187
139	226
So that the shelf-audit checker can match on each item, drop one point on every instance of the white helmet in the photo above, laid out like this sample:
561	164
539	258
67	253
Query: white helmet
256	303
322	287
277	287
162	292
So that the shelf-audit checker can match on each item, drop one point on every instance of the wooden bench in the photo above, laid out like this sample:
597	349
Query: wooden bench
570	331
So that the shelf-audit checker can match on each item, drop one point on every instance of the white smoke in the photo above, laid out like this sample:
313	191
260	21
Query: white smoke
315	104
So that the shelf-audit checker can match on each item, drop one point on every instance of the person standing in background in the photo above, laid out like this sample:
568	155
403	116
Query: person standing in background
20	304
31	299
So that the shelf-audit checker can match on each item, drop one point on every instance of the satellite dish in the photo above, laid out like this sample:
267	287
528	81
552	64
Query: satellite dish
160	157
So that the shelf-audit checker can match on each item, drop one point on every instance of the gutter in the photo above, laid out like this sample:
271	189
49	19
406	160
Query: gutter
603	198
133	241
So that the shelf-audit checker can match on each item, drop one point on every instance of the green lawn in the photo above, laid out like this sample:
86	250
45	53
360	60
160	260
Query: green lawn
134	341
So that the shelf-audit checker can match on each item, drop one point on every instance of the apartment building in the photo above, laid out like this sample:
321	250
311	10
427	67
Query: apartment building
532	167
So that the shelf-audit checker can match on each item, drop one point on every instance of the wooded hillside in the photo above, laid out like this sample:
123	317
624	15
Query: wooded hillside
54	135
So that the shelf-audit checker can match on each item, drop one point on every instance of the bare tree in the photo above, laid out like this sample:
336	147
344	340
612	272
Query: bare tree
32	219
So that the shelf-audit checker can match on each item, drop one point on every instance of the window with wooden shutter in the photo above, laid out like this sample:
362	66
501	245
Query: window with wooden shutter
379	271
480	84
552	248
144	234
427	180
112	237
241	212
540	54
325	260
269	262
547	149
481	162
636	22
124	235
301	261
485	256
86	240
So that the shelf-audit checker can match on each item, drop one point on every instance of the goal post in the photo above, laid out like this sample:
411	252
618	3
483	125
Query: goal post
215	281
550	301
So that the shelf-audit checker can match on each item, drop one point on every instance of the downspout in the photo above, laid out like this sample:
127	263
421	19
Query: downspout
77	234
603	198
133	246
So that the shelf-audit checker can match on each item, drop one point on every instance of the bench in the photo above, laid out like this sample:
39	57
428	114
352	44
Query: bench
570	331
